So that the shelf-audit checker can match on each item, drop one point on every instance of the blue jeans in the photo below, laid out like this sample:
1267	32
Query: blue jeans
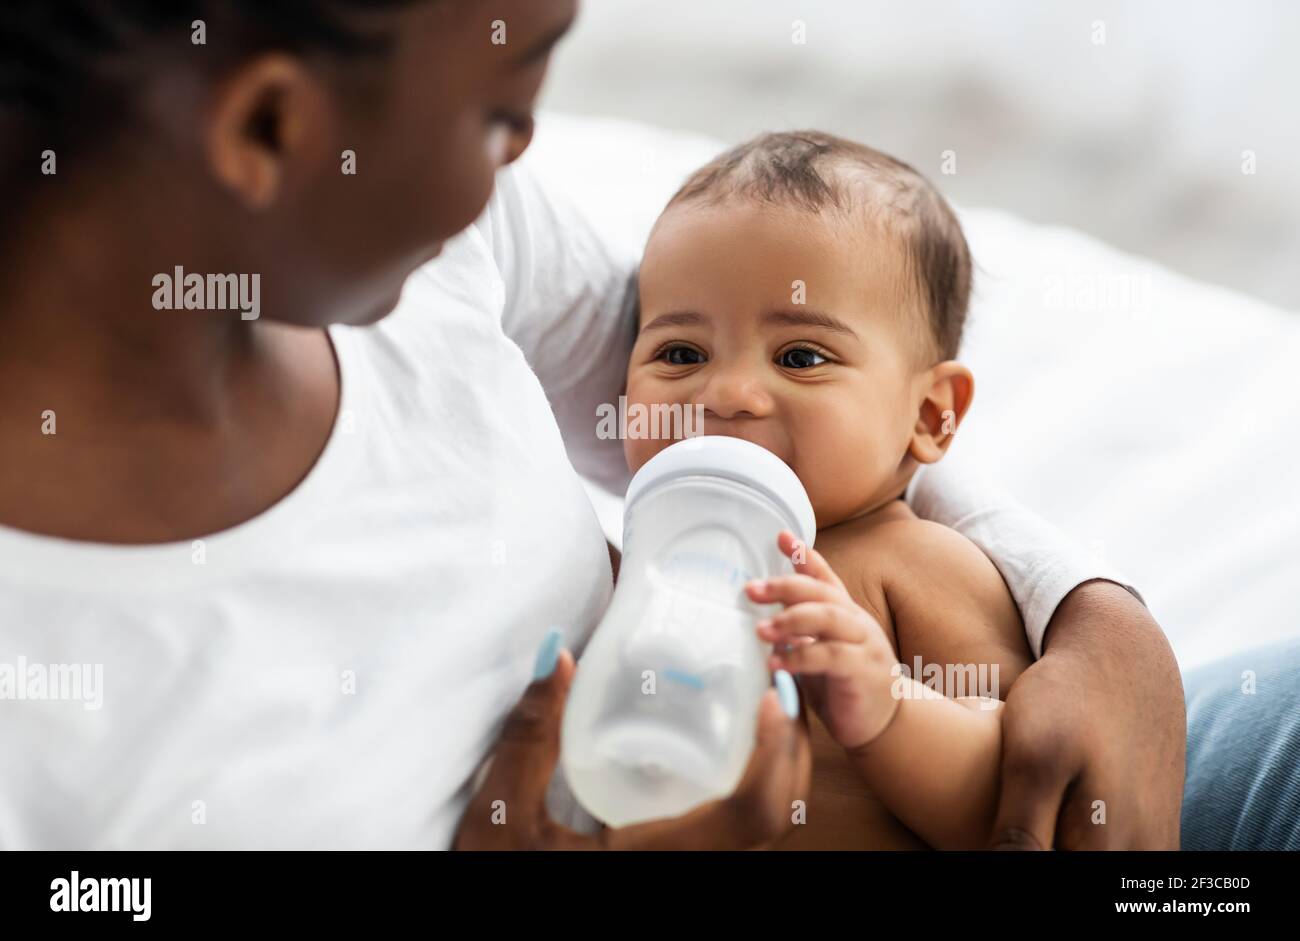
1243	752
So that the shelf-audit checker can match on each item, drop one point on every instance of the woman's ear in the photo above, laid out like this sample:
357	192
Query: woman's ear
268	114
947	390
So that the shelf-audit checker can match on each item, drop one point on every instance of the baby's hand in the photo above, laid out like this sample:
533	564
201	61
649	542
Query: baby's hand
826	636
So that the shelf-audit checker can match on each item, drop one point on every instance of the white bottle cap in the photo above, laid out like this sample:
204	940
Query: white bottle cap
731	459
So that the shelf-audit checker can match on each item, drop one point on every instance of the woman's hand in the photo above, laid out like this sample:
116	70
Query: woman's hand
758	813
1095	733
835	647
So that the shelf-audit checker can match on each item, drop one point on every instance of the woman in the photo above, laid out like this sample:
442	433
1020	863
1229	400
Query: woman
315	563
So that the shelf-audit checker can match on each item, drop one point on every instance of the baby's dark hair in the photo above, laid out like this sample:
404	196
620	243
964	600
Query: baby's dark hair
816	171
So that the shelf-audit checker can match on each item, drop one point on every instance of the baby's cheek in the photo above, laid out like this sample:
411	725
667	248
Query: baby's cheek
639	450
642	394
841	469
826	489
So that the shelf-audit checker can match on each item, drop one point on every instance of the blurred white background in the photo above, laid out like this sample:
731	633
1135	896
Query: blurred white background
1135	135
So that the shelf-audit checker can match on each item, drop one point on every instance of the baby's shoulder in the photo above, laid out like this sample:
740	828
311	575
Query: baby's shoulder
911	541
923	559
867	553
910	566
892	538
946	600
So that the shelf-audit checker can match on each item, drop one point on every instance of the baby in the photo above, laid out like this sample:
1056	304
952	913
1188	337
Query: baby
809	293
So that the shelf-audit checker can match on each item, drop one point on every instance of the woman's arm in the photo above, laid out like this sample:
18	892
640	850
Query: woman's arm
566	292
1095	733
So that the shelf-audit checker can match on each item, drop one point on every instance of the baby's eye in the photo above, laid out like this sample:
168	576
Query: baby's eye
681	356
800	357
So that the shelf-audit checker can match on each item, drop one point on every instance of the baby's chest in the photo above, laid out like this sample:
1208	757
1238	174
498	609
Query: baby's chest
865	577
840	812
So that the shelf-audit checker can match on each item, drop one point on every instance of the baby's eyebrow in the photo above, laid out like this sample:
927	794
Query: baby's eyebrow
676	318
809	318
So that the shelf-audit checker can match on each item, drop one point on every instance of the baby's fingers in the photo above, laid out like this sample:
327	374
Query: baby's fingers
820	621
807	560
834	659
791	590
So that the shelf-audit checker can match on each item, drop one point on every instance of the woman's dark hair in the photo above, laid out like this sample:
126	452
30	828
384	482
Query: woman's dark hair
68	67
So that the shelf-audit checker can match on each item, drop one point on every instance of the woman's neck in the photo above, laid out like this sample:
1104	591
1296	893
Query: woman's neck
76	313
123	423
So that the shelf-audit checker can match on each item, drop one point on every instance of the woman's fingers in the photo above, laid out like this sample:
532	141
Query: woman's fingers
509	809
779	773
813	621
1027	811
807	560
791	589
1035	776
758	812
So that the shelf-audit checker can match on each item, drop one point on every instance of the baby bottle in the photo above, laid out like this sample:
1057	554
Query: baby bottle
664	707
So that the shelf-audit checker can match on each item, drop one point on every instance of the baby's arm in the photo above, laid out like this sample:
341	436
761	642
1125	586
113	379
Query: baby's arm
952	612
936	767
932	760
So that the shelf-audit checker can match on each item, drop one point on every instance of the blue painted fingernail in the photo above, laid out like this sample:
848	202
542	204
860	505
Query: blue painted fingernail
548	654
788	693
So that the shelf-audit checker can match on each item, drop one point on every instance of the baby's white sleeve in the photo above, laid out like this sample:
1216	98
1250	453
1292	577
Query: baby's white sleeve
1040	564
567	305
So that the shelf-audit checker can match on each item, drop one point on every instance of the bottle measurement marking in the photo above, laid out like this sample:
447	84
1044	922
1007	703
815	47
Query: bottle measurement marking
686	562
686	679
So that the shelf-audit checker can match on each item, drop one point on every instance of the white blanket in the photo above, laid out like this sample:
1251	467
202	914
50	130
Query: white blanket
1150	416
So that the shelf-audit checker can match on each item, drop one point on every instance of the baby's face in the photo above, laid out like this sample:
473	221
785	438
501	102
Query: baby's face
830	381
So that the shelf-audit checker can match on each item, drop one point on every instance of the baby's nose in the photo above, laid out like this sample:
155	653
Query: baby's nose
736	394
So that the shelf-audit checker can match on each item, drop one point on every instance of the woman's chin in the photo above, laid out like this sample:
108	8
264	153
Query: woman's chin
377	313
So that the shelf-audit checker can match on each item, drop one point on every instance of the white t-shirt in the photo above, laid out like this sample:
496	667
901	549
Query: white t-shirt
332	672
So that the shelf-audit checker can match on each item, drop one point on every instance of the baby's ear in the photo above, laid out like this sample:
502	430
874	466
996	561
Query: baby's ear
947	390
